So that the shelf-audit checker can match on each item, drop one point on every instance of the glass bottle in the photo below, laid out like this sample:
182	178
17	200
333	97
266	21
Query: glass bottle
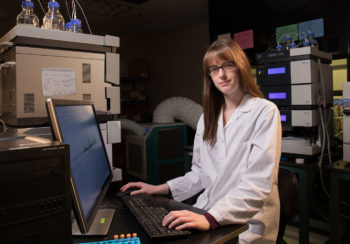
75	26
292	45
68	26
288	40
53	19
279	47
27	15
311	38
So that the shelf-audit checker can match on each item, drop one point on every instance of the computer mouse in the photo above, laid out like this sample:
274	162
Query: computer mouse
127	192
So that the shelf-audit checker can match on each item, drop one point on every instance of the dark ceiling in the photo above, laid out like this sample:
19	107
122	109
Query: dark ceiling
115	17
101	7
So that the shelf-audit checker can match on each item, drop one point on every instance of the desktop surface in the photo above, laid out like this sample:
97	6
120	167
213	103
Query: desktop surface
124	222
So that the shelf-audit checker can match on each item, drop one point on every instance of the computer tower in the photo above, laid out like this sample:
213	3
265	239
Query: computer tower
35	204
158	155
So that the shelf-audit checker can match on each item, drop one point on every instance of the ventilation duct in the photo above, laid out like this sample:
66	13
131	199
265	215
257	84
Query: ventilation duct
179	108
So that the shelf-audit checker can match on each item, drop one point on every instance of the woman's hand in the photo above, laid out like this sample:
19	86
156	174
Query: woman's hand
185	219
144	188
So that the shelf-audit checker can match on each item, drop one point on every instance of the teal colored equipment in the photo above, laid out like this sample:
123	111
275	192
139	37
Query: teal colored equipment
158	155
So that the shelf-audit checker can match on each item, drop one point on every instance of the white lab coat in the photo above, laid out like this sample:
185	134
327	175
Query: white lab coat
239	173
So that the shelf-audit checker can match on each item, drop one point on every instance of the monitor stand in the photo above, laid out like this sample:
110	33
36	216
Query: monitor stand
99	226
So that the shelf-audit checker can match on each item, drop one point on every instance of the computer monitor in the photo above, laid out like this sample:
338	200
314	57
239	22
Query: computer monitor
75	123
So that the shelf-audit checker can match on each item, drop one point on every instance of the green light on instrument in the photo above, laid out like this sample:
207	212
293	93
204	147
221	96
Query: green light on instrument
102	220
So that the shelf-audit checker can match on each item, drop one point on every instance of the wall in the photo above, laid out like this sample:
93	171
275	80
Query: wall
176	64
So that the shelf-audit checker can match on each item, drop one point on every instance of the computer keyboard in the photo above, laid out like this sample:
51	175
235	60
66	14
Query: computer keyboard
149	213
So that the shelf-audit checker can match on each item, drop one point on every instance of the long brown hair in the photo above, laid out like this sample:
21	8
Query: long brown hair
212	98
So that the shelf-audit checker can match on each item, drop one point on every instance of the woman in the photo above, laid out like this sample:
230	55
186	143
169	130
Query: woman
236	153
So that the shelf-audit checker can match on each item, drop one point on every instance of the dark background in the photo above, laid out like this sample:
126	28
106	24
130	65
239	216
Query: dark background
264	16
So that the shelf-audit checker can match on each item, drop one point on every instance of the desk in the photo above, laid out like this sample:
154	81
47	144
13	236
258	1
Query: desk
124	222
336	175
306	174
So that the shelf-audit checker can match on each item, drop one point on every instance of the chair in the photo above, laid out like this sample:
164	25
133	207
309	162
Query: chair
288	192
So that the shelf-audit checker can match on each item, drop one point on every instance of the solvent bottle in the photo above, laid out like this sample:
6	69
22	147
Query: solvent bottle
75	26
311	38
288	40
53	19
27	15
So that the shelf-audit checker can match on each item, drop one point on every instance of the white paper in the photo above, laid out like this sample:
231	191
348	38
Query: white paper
58	81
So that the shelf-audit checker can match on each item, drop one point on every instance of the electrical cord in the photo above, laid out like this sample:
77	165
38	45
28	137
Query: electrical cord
74	10
68	10
271	42
321	101
41	6
323	116
324	108
4	46
87	23
4	128
6	65
324	138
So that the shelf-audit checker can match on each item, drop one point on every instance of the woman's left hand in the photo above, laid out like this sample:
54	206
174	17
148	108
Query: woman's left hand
185	219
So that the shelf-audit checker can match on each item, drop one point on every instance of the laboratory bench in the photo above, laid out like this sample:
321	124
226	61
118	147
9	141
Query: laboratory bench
124	222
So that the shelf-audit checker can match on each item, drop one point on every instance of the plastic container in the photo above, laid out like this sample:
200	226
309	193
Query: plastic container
27	15
292	45
311	38
306	43
288	40
68	26
75	26
279	47
53	19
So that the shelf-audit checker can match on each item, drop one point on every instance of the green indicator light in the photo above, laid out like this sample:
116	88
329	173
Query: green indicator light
102	221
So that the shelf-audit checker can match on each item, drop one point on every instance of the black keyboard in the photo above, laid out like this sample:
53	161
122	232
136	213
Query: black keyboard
149	213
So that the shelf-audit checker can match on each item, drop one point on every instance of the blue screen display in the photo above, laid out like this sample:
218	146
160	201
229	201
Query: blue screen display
277	95
89	163
276	71
283	118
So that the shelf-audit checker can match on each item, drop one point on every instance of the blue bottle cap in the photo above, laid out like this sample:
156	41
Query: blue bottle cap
292	45
310	33
279	47
306	43
288	38
54	4
75	22
28	4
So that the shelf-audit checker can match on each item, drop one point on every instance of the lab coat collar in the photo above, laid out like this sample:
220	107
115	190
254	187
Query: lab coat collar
246	104
244	107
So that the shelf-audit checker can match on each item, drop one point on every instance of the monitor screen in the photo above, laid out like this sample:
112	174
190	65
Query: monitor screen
277	95
74	123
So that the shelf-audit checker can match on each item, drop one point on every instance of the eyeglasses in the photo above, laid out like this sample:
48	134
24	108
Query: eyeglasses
227	67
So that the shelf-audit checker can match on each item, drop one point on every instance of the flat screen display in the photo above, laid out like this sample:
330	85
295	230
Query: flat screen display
277	95
75	123
283	118
276	71
89	164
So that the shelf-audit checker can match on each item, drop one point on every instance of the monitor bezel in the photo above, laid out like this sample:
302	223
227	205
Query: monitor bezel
84	224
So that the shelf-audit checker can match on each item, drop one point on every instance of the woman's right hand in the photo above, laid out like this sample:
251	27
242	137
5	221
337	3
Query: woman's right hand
144	188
